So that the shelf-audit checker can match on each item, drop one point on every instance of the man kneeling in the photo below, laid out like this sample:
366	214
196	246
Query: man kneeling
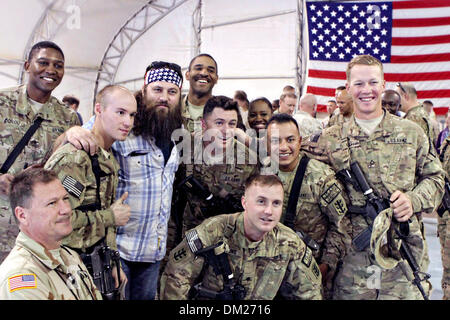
246	255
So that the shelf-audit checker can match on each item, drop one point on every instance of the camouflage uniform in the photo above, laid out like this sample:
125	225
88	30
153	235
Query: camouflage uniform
49	273
396	156
193	125
420	116
320	207
336	119
307	125
16	117
88	226
222	180
444	228
278	264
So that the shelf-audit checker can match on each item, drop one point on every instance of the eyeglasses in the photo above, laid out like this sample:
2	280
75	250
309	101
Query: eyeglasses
399	84
163	64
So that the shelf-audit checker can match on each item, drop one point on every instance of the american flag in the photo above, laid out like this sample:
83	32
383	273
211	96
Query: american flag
411	38
22	281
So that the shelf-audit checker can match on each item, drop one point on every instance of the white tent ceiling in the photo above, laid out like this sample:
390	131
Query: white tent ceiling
253	41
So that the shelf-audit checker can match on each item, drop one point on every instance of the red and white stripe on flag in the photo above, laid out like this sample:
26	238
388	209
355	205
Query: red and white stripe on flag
419	46
22	281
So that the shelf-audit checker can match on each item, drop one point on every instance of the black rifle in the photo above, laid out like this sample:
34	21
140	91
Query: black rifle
374	206
214	205
216	257
445	205
98	261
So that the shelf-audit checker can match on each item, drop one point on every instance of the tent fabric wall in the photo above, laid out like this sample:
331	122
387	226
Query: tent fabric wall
255	47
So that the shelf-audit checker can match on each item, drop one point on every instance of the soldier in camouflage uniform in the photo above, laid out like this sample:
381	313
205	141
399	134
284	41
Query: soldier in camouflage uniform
115	109
39	267
415	112
265	258
19	107
321	203
221	165
395	157
202	77
444	226
345	106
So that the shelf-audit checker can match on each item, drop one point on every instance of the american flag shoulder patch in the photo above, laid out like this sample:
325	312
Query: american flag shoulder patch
73	186
22	281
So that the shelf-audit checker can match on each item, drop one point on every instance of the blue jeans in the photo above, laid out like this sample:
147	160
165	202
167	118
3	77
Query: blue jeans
142	279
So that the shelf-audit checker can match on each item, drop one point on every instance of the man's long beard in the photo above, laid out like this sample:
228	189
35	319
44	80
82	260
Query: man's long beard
156	122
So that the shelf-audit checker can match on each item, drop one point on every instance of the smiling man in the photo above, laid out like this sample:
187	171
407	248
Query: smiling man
20	107
202	75
95	217
258	257
395	157
148	161
219	162
320	204
39	267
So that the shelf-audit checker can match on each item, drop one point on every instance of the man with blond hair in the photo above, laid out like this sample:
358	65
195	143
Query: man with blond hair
395	157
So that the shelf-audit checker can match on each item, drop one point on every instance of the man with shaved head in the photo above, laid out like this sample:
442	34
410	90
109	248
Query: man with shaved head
96	212
305	116
345	104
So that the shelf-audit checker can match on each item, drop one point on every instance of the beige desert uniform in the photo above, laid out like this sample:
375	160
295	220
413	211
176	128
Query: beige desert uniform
31	272
17	115
396	156
278	264
444	228
74	169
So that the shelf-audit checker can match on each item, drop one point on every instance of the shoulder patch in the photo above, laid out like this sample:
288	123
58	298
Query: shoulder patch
340	206
307	257
72	186
22	281
331	193
316	270
193	241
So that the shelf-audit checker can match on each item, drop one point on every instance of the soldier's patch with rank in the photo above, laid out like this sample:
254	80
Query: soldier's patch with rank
331	193
307	257
72	186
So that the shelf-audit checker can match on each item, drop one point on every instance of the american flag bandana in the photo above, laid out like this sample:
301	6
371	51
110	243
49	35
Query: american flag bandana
163	74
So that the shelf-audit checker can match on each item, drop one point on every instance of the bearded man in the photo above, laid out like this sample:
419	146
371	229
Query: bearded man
148	161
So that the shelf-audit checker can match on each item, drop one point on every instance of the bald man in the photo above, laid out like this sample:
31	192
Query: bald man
305	116
345	104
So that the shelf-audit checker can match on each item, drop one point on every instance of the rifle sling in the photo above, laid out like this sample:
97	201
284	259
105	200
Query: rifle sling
20	145
295	191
